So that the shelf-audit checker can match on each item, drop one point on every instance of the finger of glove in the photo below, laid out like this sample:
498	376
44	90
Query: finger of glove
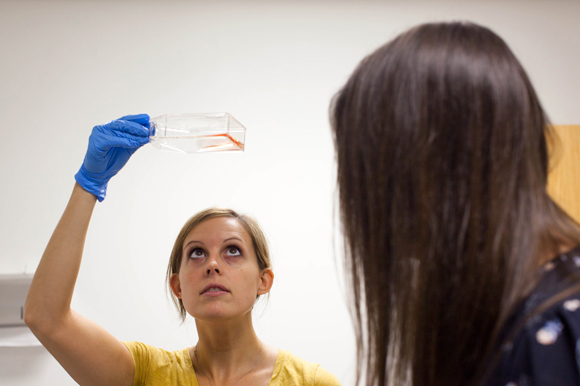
129	127
126	142
106	136
142	119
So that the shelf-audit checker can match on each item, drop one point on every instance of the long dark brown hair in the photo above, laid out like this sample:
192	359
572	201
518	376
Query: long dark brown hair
442	156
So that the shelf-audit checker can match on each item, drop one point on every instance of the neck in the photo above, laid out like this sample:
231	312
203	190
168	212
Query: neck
226	349
550	250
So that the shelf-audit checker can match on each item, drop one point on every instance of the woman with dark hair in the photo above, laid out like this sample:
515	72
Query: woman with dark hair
463	270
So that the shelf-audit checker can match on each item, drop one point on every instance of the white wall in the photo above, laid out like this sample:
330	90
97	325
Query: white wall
69	65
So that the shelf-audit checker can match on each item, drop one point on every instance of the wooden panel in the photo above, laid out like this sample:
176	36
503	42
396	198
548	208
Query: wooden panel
564	176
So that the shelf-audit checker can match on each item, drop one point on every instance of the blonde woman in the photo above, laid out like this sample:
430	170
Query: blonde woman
219	266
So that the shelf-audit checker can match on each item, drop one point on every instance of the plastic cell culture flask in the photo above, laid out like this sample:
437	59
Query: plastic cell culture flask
196	133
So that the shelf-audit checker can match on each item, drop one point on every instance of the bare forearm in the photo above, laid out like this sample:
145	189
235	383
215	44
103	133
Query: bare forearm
50	294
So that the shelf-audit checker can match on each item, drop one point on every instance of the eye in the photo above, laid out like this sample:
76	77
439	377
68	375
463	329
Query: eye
233	251
197	253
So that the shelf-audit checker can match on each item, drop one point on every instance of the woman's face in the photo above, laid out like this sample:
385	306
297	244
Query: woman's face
219	276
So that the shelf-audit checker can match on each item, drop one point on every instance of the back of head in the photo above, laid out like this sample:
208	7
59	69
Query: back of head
442	167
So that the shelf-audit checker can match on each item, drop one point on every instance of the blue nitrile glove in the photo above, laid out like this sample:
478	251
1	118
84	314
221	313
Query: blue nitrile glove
110	147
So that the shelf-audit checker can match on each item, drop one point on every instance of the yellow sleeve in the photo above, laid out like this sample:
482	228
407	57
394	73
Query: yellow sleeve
143	360
157	367
323	377
291	370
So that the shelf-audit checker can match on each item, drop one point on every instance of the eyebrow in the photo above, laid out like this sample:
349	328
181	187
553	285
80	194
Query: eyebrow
193	241
234	238
225	241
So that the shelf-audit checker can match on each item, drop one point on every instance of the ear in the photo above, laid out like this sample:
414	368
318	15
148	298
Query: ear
175	285
266	281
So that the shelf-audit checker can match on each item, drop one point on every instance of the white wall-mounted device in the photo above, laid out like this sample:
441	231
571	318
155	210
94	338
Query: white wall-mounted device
13	331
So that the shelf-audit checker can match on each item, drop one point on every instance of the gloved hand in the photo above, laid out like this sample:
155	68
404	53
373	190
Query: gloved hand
110	147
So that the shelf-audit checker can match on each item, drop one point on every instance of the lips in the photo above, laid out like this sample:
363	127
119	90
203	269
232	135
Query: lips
214	288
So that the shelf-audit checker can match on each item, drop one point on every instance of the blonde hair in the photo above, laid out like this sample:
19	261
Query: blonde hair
250	225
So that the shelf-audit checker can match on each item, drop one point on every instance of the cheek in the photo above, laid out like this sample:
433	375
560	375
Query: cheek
249	280
187	278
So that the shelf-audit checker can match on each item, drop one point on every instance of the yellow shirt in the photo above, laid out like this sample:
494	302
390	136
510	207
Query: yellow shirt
158	367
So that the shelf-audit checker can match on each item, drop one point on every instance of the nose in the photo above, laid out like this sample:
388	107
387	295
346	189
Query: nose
212	267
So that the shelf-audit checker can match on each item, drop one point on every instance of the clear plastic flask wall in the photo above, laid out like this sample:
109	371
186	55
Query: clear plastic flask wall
194	133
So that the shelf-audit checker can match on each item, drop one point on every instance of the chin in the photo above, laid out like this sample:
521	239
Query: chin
218	314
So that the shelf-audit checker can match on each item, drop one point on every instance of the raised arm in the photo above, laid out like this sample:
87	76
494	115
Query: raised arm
87	352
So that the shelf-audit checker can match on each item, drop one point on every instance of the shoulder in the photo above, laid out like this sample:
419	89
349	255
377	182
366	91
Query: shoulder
144	352
546	351
156	363
293	370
